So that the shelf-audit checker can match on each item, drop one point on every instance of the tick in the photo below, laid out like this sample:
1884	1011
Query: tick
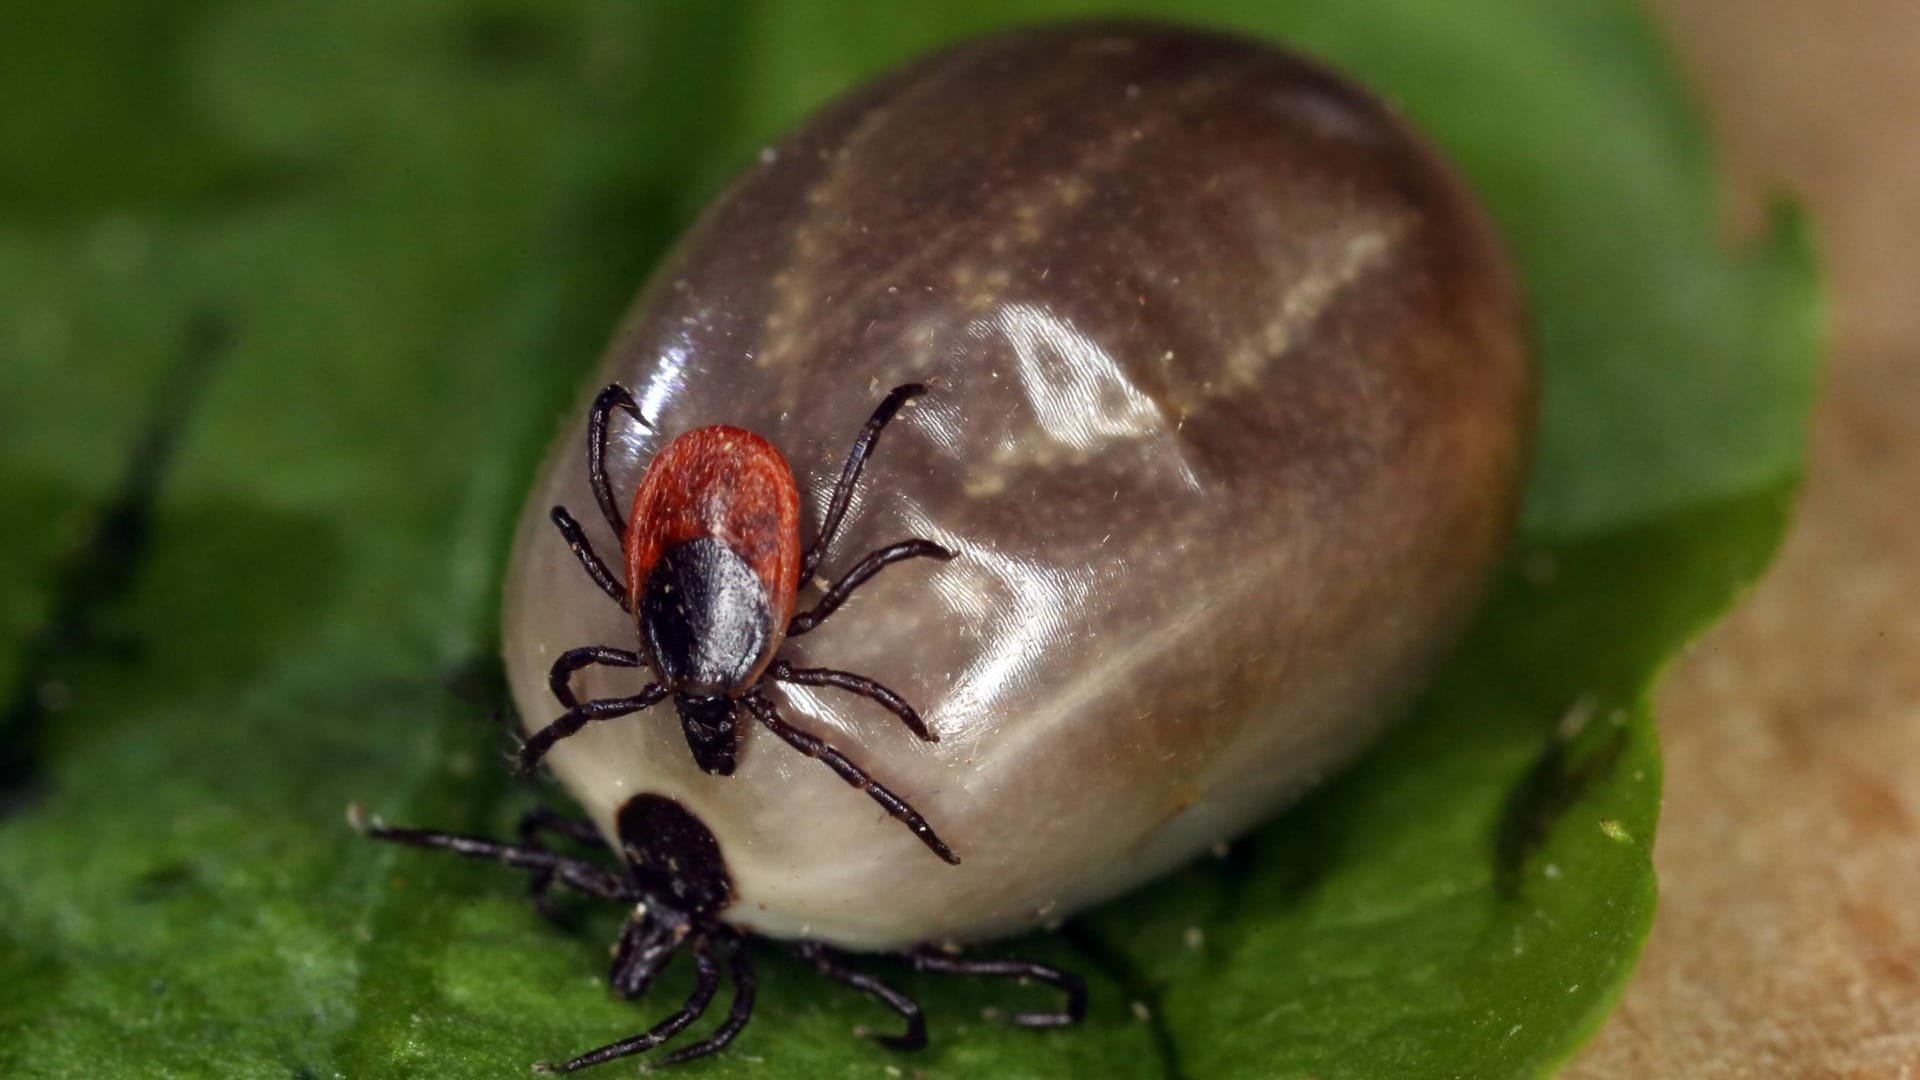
673	878
1235	405
713	573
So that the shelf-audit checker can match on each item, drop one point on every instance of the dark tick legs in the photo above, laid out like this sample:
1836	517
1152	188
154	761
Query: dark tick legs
863	445
838	592
829	962
576	874
582	550
560	681
706	975
928	958
644	948
580	715
613	396
560	676
654	934
854	775
737	1014
781	671
542	820
645	944
833	964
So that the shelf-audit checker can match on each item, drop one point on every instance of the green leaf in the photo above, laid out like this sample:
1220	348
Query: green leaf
291	296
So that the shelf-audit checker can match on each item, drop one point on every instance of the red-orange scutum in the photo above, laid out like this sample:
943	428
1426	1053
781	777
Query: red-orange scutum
727	483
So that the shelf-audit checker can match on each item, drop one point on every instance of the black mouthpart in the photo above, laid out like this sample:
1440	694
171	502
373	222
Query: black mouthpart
713	733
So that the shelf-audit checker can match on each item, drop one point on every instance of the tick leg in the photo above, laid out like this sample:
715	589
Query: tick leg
863	445
931	959
579	716
582	550
874	562
613	396
764	711
706	983
560	676
576	874
737	1014
831	964
639	956
781	671
542	820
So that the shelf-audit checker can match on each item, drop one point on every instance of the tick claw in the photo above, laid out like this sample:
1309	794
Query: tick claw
359	820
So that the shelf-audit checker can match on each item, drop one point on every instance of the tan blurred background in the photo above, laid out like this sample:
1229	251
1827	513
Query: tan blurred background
1788	939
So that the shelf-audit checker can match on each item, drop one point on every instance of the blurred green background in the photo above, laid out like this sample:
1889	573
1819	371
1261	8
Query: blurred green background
292	296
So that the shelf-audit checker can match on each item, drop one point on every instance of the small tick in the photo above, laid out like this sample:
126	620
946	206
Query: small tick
713	569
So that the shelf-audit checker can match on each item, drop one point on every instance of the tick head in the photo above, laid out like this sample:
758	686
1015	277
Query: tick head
711	729
674	860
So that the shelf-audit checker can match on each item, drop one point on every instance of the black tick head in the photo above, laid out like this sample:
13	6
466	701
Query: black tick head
674	861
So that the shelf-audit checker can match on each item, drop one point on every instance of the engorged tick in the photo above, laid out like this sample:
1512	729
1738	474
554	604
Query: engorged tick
1262	524
713	572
